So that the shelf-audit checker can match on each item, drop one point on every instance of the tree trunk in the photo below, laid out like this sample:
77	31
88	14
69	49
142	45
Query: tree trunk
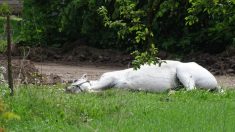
10	78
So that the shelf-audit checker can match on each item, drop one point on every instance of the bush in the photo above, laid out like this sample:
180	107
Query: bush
3	46
178	26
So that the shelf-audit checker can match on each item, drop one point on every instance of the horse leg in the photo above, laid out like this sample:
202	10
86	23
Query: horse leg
187	80
217	89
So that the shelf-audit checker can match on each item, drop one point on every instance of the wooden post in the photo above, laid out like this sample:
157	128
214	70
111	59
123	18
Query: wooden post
10	78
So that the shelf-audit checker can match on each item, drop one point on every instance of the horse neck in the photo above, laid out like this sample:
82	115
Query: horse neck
93	82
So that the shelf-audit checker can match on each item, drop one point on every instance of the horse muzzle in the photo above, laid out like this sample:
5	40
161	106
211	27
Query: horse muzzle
73	89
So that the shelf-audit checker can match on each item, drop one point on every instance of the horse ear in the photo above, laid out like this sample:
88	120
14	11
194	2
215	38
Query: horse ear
84	76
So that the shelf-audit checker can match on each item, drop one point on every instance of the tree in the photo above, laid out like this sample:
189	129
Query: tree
131	25
216	18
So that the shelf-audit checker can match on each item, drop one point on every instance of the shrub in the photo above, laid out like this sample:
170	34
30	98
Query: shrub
178	26
3	46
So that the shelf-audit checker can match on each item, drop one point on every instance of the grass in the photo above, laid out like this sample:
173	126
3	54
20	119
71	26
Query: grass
48	108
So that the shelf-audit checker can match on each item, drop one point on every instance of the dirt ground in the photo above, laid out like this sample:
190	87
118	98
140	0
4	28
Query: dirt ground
75	71
69	72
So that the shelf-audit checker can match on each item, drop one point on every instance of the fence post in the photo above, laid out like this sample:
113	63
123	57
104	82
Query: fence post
10	78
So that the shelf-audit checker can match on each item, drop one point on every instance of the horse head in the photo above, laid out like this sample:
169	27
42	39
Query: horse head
79	85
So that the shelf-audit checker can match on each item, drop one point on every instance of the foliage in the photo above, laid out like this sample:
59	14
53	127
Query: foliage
217	18
5	115
147	57
1	106
15	26
175	26
3	46
15	22
38	24
5	9
57	22
130	22
48	108
131	26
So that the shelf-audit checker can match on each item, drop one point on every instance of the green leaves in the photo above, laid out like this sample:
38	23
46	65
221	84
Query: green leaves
3	46
129	21
10	116
5	9
217	10
175	26
6	115
190	20
166	6
131	25
147	57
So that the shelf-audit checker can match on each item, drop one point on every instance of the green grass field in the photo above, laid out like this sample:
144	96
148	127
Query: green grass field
48	108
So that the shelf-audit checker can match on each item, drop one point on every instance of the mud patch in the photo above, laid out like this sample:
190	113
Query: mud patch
25	72
218	64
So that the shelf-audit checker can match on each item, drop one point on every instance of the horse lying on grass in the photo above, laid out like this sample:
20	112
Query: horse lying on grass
152	78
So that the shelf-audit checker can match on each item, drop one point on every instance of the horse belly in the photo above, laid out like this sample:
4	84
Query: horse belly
156	80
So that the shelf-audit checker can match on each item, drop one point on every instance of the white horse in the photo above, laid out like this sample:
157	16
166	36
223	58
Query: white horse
153	78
